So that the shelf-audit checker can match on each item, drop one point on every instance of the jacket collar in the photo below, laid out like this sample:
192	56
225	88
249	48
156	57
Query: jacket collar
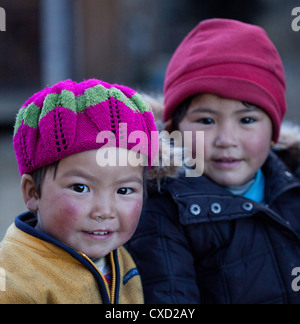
200	200
278	180
26	223
278	177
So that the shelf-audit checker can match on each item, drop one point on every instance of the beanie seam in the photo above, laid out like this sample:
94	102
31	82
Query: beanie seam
177	80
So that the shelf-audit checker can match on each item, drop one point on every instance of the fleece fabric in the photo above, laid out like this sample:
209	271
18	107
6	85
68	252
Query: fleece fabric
41	270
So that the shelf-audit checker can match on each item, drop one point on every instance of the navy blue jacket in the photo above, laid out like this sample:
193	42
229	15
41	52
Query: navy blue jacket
197	243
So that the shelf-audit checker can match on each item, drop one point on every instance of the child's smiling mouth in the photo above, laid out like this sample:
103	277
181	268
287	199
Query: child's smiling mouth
227	162
98	235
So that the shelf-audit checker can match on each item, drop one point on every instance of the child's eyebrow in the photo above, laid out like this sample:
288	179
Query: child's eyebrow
248	108
203	110
129	180
81	174
77	173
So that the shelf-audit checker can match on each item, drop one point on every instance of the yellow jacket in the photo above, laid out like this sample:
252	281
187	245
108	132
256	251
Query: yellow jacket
41	270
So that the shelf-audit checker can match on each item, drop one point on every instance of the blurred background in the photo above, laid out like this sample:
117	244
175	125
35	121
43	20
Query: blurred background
119	41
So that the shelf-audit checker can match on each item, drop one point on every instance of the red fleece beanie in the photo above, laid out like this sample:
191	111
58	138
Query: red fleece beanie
231	59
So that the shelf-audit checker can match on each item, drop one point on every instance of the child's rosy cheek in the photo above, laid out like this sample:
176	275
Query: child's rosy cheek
135	215
69	214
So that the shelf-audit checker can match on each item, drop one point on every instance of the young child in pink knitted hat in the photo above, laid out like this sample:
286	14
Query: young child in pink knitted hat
68	247
232	235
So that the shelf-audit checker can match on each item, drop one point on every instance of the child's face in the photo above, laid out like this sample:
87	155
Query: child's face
237	137
92	209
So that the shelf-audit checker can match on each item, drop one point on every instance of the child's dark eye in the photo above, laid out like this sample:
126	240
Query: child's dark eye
80	188
247	120
124	191
206	121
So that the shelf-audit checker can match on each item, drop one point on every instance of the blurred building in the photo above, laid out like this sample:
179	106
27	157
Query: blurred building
124	41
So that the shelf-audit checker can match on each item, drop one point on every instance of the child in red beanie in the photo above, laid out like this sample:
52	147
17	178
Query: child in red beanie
231	236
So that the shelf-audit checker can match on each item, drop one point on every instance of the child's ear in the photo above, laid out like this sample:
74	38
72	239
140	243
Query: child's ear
30	195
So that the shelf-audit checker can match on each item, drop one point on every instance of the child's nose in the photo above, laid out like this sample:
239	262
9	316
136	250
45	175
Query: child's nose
100	216
226	137
102	210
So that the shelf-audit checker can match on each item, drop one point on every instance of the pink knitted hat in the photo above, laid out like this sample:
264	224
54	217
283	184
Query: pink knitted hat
66	119
231	59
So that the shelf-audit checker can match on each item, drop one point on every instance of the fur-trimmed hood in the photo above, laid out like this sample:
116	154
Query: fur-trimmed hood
288	146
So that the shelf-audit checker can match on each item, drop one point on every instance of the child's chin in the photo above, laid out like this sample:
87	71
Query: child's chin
96	255
228	182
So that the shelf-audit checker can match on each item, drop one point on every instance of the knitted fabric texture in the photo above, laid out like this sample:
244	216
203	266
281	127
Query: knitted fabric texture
67	118
231	59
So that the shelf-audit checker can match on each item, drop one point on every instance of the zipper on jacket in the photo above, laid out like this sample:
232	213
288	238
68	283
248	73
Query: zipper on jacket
110	292
114	278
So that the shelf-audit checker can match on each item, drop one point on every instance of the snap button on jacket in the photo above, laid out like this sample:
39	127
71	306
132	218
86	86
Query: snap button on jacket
235	251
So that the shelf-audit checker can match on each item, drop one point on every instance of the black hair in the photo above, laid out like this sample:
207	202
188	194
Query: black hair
179	113
38	176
